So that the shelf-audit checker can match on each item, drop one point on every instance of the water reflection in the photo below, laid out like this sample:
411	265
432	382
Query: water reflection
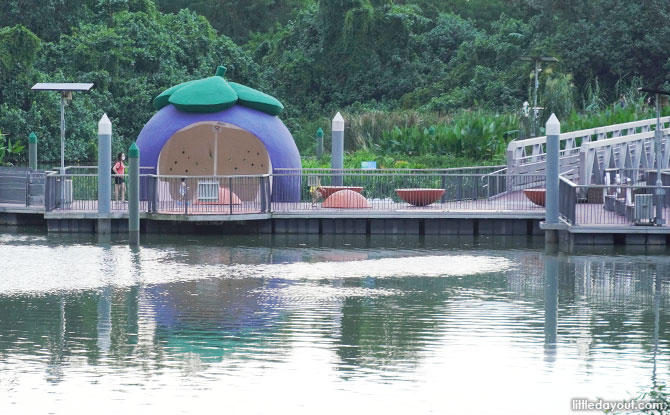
550	306
236	312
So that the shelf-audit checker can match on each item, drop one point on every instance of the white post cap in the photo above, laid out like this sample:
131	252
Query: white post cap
553	125
338	123
104	126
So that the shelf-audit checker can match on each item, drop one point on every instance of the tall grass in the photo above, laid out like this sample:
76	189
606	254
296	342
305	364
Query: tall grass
476	135
473	135
364	130
400	138
614	114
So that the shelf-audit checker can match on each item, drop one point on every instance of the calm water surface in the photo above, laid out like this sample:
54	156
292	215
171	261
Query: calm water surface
325	325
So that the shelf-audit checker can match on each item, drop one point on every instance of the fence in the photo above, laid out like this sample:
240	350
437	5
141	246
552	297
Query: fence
381	190
164	194
22	186
306	190
80	192
210	194
567	191
629	200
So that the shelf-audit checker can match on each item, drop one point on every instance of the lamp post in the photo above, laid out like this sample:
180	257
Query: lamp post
537	60
65	90
659	158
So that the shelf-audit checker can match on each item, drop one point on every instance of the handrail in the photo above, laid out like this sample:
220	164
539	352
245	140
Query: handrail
590	131
95	167
561	152
622	139
498	171
423	173
313	169
230	176
568	181
618	185
162	176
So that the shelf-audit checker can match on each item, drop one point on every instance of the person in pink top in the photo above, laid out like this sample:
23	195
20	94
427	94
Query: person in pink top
119	169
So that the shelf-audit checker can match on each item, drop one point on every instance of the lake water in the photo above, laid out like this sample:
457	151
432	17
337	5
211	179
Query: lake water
330	324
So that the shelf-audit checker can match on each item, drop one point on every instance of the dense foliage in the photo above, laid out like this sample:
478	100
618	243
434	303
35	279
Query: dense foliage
394	68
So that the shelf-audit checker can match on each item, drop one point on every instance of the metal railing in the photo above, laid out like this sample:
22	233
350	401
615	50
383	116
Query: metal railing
14	186
533	149
80	192
22	186
567	200
378	190
451	170
164	194
307	190
94	169
622	145
210	194
622	203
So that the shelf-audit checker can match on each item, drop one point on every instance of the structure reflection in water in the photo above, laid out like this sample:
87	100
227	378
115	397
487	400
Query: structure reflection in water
550	305
600	319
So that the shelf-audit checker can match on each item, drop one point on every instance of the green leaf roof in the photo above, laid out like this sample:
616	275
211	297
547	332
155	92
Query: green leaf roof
214	94
257	100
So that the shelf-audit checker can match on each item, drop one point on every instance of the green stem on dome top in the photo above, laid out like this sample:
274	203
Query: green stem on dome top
220	71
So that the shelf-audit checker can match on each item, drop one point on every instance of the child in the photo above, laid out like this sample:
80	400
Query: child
315	191
183	190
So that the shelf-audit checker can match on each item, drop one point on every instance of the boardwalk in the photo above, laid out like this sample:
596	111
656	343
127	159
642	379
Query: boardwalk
510	205
513	204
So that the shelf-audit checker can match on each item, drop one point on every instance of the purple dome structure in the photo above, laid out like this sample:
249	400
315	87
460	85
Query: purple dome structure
206	141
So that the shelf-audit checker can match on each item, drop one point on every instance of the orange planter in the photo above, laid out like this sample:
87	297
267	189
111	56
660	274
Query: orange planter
537	196
346	199
329	190
420	197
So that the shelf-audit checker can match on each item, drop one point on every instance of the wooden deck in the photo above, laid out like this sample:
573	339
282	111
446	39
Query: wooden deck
508	206
512	205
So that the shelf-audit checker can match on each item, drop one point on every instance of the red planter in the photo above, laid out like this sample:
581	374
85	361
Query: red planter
420	197
329	190
537	196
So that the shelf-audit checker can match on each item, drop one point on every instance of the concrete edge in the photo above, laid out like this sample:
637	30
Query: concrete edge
27	209
205	218
86	215
640	230
408	215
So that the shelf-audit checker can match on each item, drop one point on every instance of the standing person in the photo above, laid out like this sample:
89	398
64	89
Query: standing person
119	169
